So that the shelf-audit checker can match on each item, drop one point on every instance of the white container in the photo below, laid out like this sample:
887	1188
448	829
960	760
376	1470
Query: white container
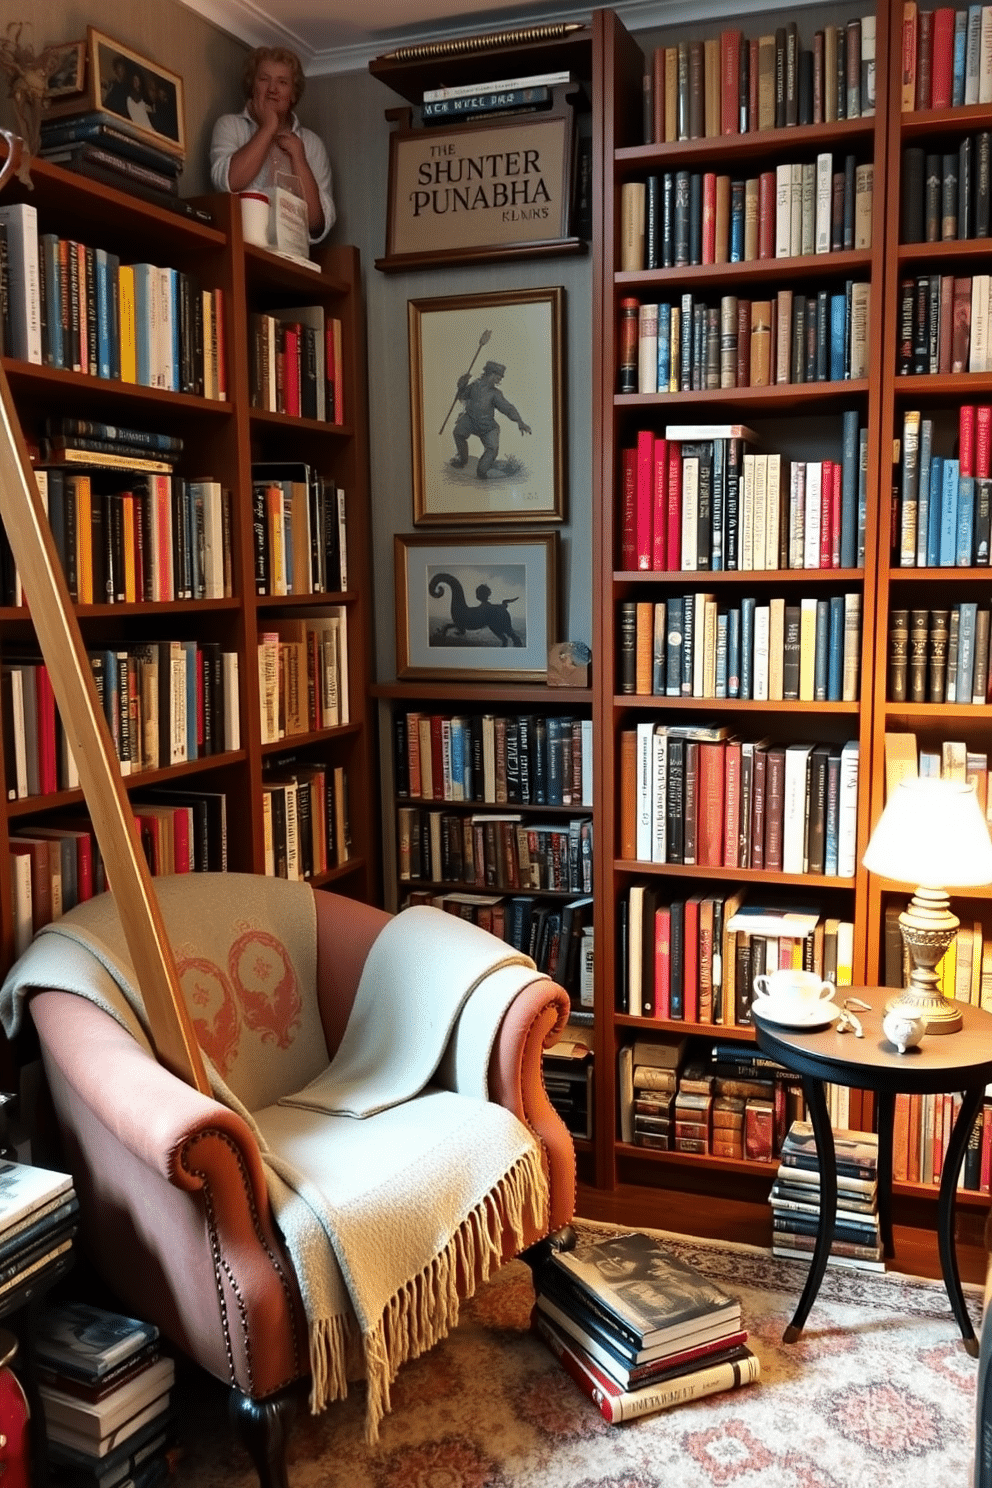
255	217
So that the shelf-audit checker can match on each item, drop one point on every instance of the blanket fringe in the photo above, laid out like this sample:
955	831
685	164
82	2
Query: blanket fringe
425	1309
329	1340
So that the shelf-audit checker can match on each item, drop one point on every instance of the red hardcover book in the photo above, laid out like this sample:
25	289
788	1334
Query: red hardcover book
900	1139
662	961
985	1180
48	780
180	838
946	336
690	963
774	803
706	960
924	59
836	506
437	757
291	381
673	544
983	440
732	804
961	328
966	439
628	510
766	214
659	519
709	848
644	500
942	64
730	74
757	847
220	342
909	50
709	217
759	1126
826	511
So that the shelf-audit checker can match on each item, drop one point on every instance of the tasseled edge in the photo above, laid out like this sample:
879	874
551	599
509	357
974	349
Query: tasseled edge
425	1309
329	1338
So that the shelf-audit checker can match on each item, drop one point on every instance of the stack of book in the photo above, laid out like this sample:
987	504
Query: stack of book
518	95
638	1329
111	149
105	1389
38	1211
795	1199
649	1078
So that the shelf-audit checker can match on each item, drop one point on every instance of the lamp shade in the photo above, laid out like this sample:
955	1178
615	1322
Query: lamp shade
932	833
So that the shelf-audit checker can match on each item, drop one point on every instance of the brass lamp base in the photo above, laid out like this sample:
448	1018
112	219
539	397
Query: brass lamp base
928	927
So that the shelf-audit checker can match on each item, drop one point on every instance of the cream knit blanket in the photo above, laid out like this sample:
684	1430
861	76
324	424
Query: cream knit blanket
392	1191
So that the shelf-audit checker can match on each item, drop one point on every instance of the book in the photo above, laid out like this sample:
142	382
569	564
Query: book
86	1341
97	1418
25	1190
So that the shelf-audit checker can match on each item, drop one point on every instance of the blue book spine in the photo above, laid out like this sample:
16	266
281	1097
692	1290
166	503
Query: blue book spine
717	503
862	495
113	295
144	287
966	653
934	515
835	666
923	491
102	312
747	647
54	351
458	752
673	650
734	653
111	710
173	283
664	347
720	681
832	819
949	515
191	669
849	490
737	199
821	651
966	521
960	49
838	336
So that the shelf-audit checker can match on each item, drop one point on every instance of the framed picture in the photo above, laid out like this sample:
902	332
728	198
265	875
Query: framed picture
473	607
121	81
67	76
486	407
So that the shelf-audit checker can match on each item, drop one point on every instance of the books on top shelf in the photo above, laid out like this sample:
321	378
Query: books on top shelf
501	85
637	1328
795	1198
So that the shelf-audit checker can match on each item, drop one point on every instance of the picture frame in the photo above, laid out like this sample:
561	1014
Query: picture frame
475	607
123	83
67	75
464	336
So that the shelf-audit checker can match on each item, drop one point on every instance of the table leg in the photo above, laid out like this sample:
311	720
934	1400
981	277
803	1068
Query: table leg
816	1102
885	1108
953	1159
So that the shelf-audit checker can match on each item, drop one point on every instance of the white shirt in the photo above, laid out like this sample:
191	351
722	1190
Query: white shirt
231	131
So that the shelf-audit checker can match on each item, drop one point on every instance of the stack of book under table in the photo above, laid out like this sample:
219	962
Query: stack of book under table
638	1329
795	1199
105	1388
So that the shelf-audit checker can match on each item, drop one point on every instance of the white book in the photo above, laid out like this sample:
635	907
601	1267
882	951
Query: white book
851	666
659	795
811	519
783	211
985	56
587	748
168	371
847	815
797	512
760	521
213	537
864	187
746	515
868	82
268	688
796	211
24	1188
824	198
794	807
761	643
690	512
773	509
860	328
291	798
978	354
97	1417
504	85
21	222
698	642
647	349
21	902
339	614
808	238
645	791
972	53
17	788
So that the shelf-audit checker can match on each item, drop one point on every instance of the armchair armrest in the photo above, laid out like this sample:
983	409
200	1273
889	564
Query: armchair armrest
173	1200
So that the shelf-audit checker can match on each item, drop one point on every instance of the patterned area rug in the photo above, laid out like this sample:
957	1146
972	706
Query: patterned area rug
878	1391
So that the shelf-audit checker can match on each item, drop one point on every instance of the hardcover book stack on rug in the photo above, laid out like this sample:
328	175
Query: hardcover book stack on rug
38	1211
637	1328
106	1393
795	1199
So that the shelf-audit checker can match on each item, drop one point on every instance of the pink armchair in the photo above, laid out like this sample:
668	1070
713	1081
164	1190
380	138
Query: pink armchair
174	1207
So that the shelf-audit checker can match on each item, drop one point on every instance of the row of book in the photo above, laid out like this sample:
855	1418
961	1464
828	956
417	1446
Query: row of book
305	819
124	536
303	674
939	656
638	1329
684	217
697	497
517	95
698	794
494	851
568	1079
106	1387
495	759
57	864
296	364
942	506
691	646
921	1130
733	84
80	308
945	197
798	337
944	324
946	56
795	1199
299	526
951	759
557	936
695	959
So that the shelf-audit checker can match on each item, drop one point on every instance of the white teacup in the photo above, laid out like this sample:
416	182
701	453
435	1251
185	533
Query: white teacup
789	991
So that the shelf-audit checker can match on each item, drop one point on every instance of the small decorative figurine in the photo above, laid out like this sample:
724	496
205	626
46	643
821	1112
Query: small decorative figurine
27	77
903	1028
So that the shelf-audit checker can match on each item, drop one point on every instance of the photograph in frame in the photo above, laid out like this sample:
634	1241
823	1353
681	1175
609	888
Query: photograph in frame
126	85
474	607
486	408
67	76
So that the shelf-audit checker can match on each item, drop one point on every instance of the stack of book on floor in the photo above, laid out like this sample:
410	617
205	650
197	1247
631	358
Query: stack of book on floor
105	1388
38	1210
795	1199
638	1329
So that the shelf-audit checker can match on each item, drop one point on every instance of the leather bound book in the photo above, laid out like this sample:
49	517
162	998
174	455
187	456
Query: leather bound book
697	89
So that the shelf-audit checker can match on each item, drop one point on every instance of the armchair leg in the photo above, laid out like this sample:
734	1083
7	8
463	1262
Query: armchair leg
536	1255
262	1428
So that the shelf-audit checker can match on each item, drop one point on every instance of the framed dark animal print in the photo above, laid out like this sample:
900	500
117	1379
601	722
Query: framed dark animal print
474	608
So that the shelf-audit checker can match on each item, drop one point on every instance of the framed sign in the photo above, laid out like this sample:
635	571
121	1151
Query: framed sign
468	192
486	406
123	82
476	608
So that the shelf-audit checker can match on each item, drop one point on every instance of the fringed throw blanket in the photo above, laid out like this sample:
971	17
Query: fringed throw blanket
391	1175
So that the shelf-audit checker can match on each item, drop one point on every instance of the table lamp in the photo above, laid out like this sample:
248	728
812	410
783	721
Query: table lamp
932	833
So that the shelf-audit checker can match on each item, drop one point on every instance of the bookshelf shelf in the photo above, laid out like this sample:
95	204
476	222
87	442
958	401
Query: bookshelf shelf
766	402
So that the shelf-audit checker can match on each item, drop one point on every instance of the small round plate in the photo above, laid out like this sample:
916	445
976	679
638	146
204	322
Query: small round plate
820	1016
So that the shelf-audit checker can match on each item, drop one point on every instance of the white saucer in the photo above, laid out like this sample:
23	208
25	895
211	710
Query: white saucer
819	1016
